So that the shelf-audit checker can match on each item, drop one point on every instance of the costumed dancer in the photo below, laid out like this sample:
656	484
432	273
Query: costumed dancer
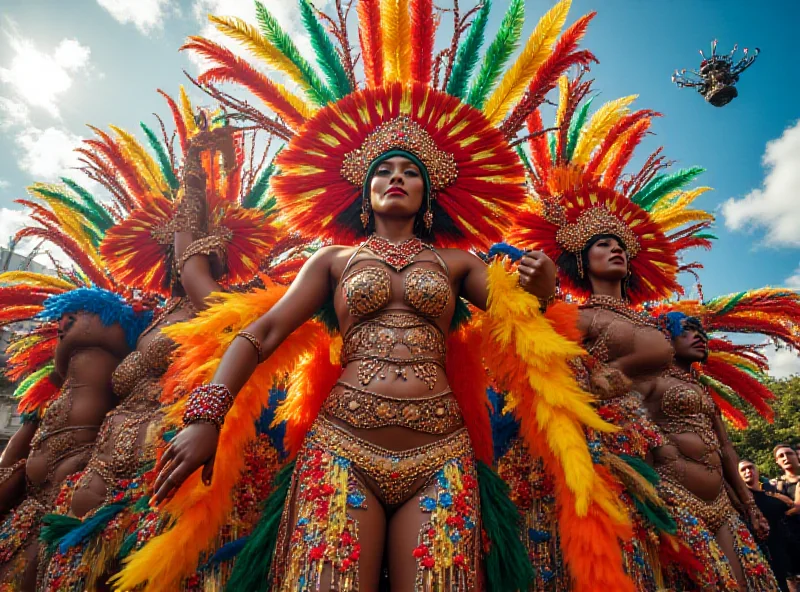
392	439
698	465
178	240
609	239
64	365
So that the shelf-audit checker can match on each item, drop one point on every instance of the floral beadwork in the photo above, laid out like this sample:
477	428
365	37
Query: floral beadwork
447	551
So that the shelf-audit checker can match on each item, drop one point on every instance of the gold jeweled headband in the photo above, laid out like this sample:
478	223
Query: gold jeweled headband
405	134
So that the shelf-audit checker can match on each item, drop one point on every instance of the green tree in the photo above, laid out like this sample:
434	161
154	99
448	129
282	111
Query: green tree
757	441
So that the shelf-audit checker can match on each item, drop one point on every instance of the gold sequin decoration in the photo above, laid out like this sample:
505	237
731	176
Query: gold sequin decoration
591	222
427	291
367	290
437	414
405	134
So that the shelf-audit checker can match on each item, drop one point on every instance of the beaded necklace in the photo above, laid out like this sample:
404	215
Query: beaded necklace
683	375
620	307
397	256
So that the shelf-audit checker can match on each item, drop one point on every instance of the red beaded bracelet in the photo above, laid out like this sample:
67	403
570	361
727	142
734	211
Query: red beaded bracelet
209	403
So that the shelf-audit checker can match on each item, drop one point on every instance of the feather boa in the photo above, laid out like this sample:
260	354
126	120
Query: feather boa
530	359
196	510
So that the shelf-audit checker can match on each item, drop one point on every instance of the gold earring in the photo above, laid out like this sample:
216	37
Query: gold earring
365	213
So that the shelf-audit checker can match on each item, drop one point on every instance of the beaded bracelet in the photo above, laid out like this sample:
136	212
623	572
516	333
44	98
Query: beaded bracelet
255	343
209	403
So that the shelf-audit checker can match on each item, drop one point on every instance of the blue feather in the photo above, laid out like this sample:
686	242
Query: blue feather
226	552
110	307
512	253
505	427
90	526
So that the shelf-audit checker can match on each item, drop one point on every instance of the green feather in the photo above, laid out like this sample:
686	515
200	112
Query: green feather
706	235
657	515
327	316
317	91
575	127
551	143
55	527
468	52
523	156
251	570
507	565
504	44
661	185
732	303
163	158
101	218
32	379
258	192
461	314
327	56
94	231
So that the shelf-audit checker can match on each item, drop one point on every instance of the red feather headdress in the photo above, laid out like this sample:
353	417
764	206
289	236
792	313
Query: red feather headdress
575	177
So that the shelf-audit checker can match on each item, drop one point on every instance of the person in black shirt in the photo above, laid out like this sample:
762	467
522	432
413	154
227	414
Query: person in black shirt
773	506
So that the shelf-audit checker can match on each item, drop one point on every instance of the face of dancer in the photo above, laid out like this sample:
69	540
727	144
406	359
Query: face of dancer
786	459
607	260
691	345
749	473
397	188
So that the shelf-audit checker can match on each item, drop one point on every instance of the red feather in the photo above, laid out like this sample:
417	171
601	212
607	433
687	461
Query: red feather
469	381
180	124
38	395
731	413
563	56
107	176
72	249
31	359
109	148
744	385
539	149
233	69
14	314
423	31
618	129
371	37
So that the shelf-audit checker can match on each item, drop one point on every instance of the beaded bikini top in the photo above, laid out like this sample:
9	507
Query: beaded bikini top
387	340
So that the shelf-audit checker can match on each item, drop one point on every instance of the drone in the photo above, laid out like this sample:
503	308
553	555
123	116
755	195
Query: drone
717	76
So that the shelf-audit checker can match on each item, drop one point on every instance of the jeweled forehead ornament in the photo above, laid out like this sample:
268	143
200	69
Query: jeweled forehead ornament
573	237
405	134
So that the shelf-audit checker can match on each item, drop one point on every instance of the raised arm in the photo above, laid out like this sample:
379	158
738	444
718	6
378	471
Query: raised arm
537	274
196	444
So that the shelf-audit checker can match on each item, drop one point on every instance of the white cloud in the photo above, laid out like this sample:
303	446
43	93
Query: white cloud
11	221
146	15
774	205
37	77
782	362
47	154
13	113
4	184
286	13
793	281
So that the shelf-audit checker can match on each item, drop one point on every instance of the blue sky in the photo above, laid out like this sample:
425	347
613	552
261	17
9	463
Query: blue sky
65	64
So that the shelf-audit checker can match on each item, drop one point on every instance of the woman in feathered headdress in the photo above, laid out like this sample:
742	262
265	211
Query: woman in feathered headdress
392	448
610	239
176	239
698	465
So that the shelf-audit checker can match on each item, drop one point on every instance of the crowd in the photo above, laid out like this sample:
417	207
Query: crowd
779	502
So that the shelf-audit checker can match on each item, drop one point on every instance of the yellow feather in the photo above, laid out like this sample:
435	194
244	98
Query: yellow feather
187	112
619	144
538	355
563	93
536	51
34	279
396	24
602	121
144	163
248	36
735	360
74	228
678	200
303	108
684	217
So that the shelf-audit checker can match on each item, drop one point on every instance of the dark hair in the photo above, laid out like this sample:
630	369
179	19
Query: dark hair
779	446
568	264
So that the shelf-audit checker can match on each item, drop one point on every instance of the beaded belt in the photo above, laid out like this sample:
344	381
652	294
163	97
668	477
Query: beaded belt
394	472
437	414
714	513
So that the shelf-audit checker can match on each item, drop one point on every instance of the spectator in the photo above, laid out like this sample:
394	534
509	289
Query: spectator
788	461
773	506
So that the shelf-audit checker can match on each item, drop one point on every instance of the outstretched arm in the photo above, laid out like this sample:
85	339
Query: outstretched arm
195	445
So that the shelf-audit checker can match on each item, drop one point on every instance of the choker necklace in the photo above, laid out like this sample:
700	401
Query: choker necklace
620	307
680	374
397	256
